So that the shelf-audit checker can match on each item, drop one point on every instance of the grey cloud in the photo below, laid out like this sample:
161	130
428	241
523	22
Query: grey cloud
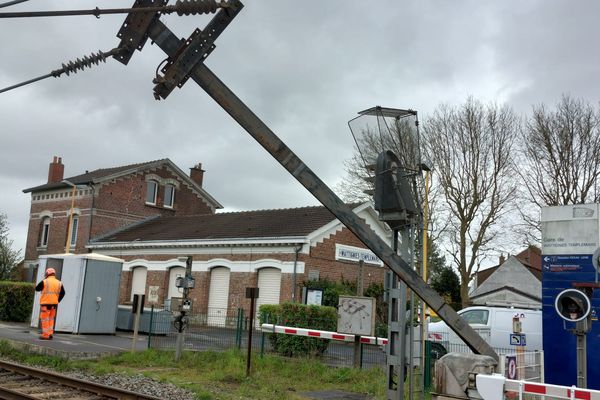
305	68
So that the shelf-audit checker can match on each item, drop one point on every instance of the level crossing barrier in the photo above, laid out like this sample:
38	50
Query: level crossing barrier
497	387
344	337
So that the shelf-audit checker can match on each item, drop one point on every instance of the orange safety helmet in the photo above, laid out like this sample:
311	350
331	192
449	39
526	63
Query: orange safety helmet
50	271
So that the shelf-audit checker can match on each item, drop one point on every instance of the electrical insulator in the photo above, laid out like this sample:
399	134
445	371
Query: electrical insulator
193	7
81	63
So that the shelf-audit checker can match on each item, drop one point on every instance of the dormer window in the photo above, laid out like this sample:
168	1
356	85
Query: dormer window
151	192
169	196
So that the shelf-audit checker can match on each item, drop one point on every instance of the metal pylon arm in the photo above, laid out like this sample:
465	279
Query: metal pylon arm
211	84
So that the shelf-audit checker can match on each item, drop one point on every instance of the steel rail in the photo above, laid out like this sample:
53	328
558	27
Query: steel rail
79	384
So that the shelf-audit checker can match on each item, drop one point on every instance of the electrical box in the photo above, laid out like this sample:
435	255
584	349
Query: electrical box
138	298
394	195
185	282
91	283
516	325
179	304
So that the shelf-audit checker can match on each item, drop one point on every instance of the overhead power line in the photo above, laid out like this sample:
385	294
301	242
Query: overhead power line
71	67
12	3
182	7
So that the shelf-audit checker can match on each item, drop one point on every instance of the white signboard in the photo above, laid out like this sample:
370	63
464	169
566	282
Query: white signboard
356	315
153	294
571	229
314	297
351	253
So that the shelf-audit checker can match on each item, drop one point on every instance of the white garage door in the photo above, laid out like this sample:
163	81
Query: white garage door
269	286
218	296
138	281
174	273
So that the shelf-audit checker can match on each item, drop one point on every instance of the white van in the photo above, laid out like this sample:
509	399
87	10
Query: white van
495	326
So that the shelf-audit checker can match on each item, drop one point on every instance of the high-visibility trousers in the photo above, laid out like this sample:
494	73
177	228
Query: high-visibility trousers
47	316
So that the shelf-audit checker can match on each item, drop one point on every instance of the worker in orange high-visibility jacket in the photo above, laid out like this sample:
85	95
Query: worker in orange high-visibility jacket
52	293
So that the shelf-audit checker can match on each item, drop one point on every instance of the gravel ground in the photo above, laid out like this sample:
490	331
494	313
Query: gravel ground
137	383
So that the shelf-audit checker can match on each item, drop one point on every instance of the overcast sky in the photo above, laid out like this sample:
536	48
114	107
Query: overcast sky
304	67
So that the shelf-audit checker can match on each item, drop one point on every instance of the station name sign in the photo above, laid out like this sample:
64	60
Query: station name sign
570	230
350	253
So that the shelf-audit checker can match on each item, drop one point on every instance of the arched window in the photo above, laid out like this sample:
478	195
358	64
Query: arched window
151	192
45	232
74	226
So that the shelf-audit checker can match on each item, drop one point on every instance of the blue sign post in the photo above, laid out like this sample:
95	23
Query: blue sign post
570	235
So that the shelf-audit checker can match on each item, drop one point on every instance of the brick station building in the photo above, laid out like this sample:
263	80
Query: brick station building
152	214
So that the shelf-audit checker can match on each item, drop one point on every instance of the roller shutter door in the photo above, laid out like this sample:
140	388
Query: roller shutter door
138	281
269	286
218	296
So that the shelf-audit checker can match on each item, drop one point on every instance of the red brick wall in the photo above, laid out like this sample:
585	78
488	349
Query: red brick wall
321	258
285	293
116	204
123	202
59	223
238	282
125	289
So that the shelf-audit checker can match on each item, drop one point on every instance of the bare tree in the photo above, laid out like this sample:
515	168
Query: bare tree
471	150
560	156
8	256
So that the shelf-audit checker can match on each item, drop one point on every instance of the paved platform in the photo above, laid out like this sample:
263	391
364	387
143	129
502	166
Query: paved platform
67	345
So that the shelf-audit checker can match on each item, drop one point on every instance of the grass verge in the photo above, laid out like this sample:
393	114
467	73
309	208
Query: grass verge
222	375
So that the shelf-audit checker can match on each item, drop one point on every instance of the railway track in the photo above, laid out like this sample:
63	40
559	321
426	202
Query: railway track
24	383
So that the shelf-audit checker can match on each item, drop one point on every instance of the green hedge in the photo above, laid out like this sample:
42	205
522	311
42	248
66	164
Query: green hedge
16	301
299	316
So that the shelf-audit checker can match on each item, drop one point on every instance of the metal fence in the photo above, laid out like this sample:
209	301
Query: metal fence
218	330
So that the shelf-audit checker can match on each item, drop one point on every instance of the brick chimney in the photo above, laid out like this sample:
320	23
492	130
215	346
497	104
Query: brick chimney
197	174
502	259
56	170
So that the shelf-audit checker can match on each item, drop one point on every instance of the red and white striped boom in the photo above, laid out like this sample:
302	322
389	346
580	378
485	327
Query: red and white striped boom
344	337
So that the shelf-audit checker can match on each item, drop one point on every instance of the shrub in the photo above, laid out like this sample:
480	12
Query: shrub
299	316
16	301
